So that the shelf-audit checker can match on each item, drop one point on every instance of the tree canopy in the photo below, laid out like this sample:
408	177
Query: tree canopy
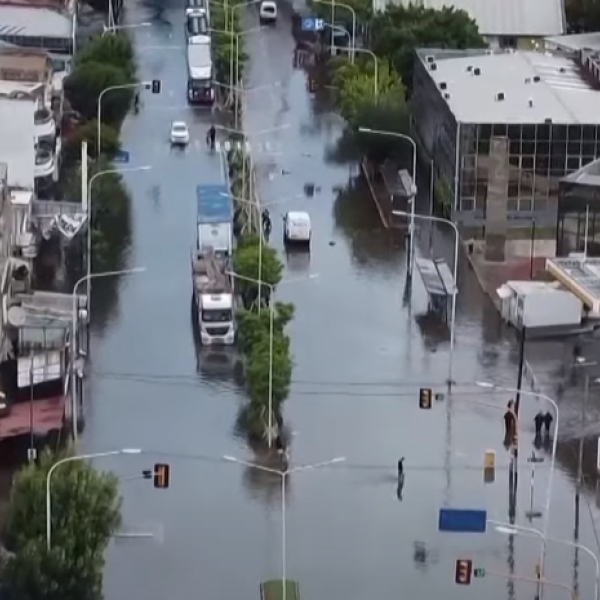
400	29
582	15
246	264
88	132
85	514
114	49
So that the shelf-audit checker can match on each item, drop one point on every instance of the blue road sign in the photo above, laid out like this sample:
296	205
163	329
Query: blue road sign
312	24
462	520
121	157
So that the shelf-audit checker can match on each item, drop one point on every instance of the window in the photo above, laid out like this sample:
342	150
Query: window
467	204
525	204
512	205
468	161
527	162
507	41
573	163
499	130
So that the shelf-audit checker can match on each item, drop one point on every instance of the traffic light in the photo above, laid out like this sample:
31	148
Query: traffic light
489	466
156	86
425	398
161	475
464	570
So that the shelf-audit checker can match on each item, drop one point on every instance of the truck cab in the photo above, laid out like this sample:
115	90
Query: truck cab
216	319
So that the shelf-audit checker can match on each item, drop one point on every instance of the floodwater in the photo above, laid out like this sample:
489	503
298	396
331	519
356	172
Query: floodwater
361	349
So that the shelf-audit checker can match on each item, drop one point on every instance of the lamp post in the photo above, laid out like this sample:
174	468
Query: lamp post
347	7
413	191
510	529
89	212
339	29
375	63
125	86
493	386
284	475
67	460
114	28
455	275
237	57
74	344
271	334
261	132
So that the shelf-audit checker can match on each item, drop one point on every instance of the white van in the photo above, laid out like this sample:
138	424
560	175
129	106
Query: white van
267	13
297	228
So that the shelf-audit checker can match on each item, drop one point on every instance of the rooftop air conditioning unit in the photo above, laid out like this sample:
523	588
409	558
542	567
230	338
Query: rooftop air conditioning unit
548	121
432	67
537	79
430	58
527	79
562	70
477	71
469	68
530	102
446	96
443	85
500	96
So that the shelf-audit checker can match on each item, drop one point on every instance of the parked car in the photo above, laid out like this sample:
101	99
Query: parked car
297	228
180	134
267	13
193	5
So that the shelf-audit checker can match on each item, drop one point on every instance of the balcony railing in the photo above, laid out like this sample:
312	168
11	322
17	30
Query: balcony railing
44	163
45	127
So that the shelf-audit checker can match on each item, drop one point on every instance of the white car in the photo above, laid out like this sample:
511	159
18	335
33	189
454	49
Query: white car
267	12
297	228
180	134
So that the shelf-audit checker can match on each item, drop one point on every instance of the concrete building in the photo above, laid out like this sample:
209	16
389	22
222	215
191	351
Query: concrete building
43	24
503	127
503	23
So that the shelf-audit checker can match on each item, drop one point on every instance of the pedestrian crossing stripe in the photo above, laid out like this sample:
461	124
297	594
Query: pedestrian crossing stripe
258	148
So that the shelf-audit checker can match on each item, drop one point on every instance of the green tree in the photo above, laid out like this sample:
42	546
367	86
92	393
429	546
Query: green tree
85	84
253	327
342	16
88	132
115	49
110	218
400	29
85	514
246	264
582	15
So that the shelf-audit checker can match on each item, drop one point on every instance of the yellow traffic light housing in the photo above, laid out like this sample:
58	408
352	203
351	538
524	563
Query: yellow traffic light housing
162	472
425	396
489	466
464	570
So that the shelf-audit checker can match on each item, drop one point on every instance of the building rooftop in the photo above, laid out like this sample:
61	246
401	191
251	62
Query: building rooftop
536	86
535	18
32	21
574	42
23	59
19	88
17	141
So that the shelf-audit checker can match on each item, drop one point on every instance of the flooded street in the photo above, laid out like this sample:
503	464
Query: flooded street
361	353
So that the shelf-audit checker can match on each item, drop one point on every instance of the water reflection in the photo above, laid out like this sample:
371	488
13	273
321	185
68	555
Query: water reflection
265	487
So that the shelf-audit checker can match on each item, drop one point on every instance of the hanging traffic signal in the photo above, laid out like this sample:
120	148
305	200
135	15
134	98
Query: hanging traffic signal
464	569
161	475
156	86
489	466
425	398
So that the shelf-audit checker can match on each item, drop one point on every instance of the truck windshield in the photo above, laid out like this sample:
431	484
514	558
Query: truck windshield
217	316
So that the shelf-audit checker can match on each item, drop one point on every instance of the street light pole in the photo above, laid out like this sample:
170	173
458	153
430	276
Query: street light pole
271	335
74	338
375	62
125	86
510	529
347	7
455	275
89	214
493	386
67	460
413	191
284	475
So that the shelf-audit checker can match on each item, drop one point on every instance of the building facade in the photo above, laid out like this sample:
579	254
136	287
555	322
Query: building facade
503	128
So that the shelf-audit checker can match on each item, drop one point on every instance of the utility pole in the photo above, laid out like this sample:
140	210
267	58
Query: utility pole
31	451
581	362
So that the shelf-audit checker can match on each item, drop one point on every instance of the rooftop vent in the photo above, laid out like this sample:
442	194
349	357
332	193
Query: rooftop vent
489	52
537	79
530	102
548	121
527	79
447	96
430	58
499	96
477	71
562	70
443	85
432	67
469	68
